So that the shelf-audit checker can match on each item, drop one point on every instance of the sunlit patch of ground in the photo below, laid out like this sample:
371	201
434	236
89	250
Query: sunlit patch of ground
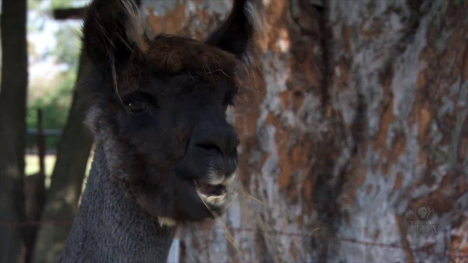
32	165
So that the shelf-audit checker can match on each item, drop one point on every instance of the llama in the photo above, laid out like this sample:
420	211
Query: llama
164	153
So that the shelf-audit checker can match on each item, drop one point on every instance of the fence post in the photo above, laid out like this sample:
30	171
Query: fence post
40	144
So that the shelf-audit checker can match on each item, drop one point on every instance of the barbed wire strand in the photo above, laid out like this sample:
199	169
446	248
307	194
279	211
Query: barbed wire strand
282	233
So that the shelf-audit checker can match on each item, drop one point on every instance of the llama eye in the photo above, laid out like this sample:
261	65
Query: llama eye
136	107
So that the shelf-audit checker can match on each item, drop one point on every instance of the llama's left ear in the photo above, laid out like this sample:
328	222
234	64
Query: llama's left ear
236	33
112	30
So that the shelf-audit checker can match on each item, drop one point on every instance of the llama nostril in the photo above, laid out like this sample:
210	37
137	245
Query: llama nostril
210	147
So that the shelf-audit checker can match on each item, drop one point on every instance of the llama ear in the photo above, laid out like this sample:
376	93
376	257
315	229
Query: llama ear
235	34
112	31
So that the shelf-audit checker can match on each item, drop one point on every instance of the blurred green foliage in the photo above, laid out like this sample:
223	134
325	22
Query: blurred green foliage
54	100
54	105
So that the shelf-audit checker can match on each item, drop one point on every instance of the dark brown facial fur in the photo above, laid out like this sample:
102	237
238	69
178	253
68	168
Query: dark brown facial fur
159	108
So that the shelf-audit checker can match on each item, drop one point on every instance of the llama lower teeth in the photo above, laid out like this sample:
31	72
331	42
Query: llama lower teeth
216	199
212	199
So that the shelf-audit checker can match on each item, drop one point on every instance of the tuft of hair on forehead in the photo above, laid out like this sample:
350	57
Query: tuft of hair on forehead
176	55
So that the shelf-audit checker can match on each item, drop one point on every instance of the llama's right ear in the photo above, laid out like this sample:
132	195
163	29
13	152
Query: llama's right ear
112	31
236	33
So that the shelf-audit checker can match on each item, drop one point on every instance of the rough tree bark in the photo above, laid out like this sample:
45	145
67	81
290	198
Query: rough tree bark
67	179
362	120
400	87
13	94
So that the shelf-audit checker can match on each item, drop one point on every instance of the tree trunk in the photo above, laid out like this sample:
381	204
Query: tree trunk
400	87
67	179
34	194
13	94
359	133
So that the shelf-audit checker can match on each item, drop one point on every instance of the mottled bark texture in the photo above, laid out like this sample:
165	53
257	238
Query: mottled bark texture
67	179
13	92
360	119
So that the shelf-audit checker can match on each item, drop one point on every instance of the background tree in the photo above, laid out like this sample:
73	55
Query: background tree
67	180
361	120
72	157
13	94
55	96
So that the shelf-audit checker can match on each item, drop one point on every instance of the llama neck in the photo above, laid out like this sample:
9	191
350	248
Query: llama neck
110	227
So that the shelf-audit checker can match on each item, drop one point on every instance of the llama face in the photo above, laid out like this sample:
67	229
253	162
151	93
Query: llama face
160	109
171	140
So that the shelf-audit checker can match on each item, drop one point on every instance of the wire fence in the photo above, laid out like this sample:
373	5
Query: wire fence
452	255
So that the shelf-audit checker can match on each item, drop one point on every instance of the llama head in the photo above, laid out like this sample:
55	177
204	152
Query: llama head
159	107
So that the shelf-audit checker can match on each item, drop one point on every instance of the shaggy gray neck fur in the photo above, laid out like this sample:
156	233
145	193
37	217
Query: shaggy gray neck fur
112	228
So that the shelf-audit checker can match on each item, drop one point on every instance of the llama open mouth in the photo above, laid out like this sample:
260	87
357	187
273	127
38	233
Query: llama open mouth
212	194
